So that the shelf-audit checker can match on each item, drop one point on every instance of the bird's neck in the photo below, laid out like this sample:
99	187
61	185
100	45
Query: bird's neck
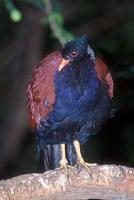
76	72
74	85
77	76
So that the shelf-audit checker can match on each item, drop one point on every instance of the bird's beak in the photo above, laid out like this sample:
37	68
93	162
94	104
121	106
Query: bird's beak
63	63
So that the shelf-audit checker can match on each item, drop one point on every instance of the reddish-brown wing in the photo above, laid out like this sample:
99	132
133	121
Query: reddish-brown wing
104	74
40	90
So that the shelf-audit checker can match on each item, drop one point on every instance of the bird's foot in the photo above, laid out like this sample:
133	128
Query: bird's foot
81	163
64	165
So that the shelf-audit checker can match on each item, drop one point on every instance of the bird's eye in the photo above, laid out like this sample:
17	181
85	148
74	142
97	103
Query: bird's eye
74	54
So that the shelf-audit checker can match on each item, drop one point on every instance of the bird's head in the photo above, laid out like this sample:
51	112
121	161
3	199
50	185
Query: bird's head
75	51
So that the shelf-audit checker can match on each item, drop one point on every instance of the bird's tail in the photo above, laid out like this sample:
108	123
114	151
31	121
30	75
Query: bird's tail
49	156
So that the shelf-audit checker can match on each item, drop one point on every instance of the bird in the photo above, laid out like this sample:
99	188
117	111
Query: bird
69	98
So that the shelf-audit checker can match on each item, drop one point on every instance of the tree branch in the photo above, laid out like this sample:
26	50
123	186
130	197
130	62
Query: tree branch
110	182
55	20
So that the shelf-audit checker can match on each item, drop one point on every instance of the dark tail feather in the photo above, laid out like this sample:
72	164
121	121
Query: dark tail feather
71	154
49	156
113	112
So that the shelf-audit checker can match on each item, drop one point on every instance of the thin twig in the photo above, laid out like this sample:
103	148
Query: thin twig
60	33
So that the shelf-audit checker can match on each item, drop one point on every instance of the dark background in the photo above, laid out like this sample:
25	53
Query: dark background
110	28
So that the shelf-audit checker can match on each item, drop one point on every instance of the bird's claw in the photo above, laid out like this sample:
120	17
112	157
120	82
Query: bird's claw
85	165
64	165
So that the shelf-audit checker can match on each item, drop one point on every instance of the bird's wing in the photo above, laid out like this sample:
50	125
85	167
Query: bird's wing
104	74
40	90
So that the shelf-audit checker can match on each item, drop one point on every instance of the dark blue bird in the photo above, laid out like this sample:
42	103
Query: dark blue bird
69	99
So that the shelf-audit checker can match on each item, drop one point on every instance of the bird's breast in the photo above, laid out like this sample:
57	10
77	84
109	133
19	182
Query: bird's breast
76	92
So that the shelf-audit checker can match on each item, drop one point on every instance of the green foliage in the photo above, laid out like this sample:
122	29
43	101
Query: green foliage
15	14
58	18
56	22
54	18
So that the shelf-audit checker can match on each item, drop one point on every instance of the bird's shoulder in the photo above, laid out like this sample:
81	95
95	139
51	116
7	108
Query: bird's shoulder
104	74
40	90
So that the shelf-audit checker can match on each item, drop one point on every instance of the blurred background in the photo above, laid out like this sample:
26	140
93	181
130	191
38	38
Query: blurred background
31	29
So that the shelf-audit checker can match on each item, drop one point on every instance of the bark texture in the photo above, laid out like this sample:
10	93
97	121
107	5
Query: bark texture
110	182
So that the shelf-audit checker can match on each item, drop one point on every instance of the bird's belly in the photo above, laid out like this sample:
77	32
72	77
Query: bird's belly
71	119
62	125
72	101
77	126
